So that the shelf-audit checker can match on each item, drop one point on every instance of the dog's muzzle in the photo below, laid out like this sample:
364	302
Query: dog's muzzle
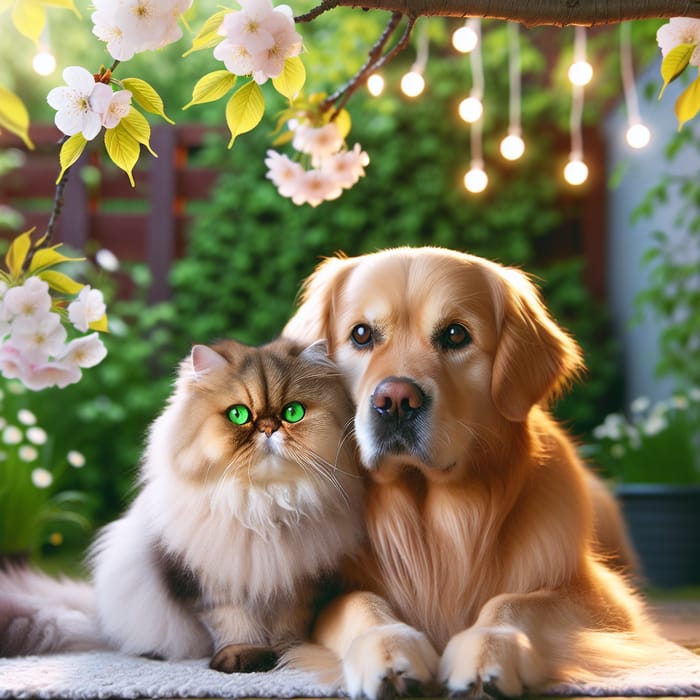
399	418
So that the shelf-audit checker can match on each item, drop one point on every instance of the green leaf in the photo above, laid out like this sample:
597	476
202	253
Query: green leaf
17	253
137	127
208	35
14	116
48	257
292	78
146	97
688	103
675	63
70	152
60	282
123	149
244	110
211	86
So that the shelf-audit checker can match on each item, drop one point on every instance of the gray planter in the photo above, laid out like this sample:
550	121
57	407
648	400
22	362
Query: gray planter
664	524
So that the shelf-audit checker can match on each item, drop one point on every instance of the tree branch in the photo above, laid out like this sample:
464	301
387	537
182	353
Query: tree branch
559	13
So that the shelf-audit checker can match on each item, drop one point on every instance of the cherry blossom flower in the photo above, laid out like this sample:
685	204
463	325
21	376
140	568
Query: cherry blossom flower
680	30
30	300
86	351
111	106
259	38
87	308
39	337
285	173
131	26
75	113
346	167
316	187
320	142
46	374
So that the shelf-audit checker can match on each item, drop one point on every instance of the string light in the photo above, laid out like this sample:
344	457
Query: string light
576	171
471	109
413	83
580	71
375	84
476	179
465	38
513	146
638	135
44	62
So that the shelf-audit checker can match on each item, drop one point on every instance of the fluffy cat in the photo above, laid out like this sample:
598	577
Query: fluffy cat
249	498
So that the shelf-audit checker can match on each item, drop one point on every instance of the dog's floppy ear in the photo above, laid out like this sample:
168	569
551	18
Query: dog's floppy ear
535	358
311	322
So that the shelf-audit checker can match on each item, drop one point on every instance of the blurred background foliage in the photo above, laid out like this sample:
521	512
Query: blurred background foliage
249	249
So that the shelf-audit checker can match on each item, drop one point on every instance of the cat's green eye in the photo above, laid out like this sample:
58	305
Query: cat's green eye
238	414
293	412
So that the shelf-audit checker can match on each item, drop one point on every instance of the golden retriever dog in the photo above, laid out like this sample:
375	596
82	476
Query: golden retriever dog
480	568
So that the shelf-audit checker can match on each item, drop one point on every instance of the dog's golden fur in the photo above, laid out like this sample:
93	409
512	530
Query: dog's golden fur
480	567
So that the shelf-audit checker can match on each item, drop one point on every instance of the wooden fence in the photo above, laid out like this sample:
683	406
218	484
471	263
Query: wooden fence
144	223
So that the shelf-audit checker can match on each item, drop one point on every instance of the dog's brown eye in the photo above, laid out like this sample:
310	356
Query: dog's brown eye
453	337
361	335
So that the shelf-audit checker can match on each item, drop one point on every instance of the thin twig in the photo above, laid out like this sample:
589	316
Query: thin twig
375	60
317	11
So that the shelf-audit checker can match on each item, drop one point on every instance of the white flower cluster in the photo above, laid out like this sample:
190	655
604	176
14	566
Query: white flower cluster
132	26
34	345
680	30
85	106
259	39
334	168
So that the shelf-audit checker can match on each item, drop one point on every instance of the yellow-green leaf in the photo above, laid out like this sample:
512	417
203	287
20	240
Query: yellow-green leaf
137	127
292	78
14	116
208	35
343	122
244	110
211	86
146	97
29	18
123	149
674	63
60	282
17	253
688	102
70	152
48	257
101	325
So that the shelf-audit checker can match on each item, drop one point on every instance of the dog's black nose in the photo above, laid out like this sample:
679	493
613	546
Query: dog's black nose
397	397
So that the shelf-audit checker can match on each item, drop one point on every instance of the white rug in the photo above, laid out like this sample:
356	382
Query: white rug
79	676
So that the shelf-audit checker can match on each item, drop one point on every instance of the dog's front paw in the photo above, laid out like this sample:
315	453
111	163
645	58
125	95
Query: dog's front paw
243	658
491	660
389	660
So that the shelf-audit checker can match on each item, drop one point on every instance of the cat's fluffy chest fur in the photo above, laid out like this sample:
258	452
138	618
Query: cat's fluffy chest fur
232	532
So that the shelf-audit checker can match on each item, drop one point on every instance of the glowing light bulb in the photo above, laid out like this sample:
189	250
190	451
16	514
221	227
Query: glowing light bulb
375	84
44	63
476	179
638	136
465	39
576	172
471	109
412	84
512	147
580	73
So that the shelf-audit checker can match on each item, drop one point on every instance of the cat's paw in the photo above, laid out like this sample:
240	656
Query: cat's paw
483	661
244	658
389	660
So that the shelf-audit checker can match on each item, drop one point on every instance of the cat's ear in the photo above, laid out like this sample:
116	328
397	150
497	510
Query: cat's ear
204	359
317	352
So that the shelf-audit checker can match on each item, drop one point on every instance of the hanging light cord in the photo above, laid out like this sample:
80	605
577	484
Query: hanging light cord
514	78
477	91
627	69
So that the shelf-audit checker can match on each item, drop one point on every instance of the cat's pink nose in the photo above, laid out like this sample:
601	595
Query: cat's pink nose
267	425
